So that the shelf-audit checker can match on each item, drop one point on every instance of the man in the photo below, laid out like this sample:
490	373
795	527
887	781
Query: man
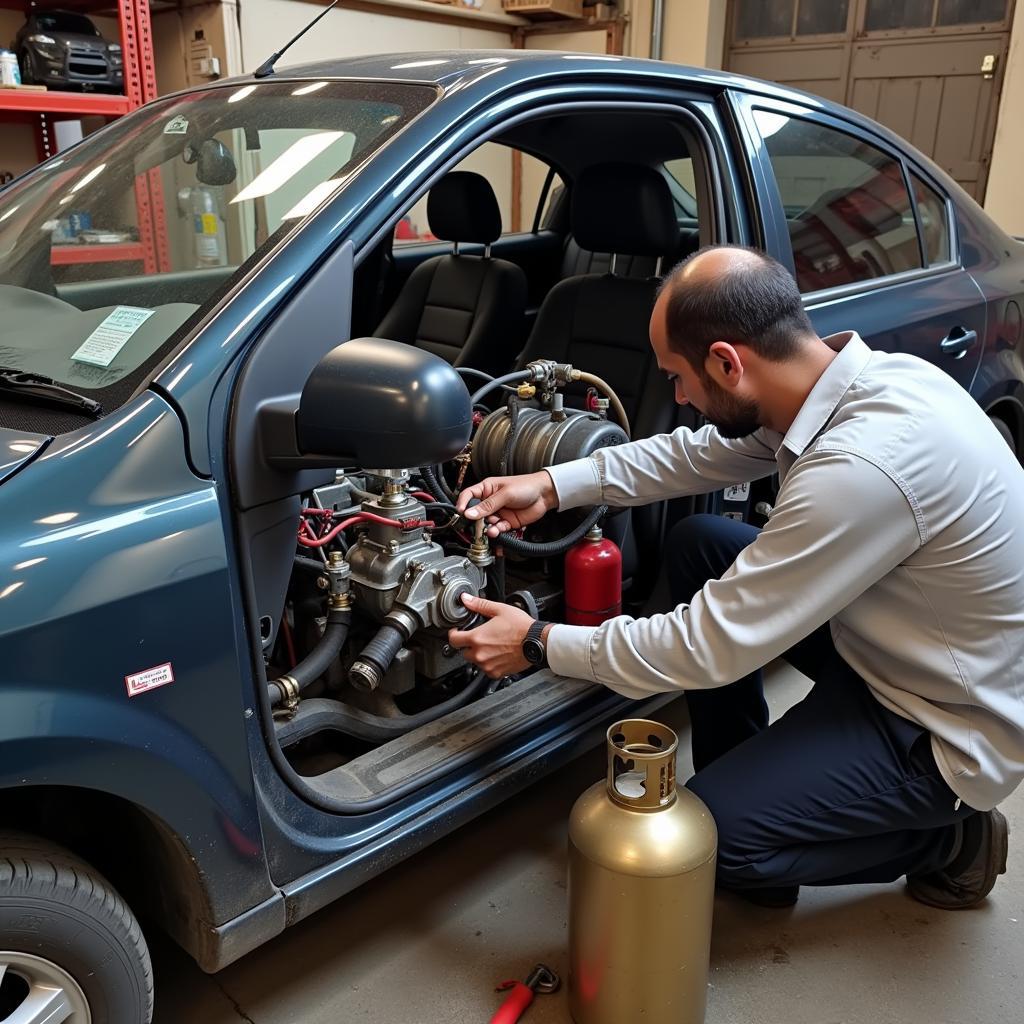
891	571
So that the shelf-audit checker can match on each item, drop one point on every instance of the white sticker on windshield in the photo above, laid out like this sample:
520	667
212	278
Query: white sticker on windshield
176	126
102	346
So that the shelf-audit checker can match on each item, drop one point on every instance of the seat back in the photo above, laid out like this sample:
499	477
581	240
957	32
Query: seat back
600	322
467	309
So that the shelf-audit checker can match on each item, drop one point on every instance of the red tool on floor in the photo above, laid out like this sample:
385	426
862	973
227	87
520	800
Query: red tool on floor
540	979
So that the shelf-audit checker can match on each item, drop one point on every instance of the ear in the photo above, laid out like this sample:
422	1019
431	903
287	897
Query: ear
724	364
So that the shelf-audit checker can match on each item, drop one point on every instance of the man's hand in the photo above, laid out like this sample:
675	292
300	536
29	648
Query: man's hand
509	502
496	646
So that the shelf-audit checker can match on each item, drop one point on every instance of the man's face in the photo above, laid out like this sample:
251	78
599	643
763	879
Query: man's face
734	415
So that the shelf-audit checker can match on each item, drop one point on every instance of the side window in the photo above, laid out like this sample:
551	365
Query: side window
518	190
931	211
846	203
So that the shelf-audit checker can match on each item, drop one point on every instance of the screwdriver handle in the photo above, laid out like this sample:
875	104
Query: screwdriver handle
516	1002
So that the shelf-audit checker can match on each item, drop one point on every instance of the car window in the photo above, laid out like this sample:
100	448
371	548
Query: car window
931	211
846	203
107	250
518	192
681	182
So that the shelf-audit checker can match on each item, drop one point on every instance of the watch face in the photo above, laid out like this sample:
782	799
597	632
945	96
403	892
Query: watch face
533	650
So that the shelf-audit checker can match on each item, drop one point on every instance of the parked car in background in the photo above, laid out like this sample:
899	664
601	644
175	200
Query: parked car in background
207	479
65	50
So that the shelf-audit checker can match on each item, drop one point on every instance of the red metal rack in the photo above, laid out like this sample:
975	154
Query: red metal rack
44	108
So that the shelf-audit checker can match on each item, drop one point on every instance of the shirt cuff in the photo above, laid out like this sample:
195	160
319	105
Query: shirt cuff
576	483
568	651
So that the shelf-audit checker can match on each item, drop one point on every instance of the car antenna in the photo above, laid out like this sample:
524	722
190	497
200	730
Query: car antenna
267	67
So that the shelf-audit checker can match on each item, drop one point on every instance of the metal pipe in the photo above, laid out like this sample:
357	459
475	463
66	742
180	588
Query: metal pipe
657	28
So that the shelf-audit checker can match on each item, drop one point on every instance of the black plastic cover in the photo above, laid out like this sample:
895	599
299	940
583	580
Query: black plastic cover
383	405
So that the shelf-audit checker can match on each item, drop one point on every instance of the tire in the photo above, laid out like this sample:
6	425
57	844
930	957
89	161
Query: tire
1004	432
63	925
25	68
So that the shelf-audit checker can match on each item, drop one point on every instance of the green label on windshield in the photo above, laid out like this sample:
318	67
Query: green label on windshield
103	345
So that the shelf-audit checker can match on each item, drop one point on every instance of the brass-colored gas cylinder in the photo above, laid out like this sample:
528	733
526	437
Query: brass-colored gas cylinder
641	887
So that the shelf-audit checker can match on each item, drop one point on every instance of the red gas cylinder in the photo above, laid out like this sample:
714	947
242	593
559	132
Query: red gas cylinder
593	580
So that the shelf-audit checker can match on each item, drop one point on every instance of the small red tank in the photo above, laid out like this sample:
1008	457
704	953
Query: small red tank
593	580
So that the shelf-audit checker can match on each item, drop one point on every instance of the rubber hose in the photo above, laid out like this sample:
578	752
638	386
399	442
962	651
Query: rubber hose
310	565
620	412
381	650
534	549
434	485
510	436
315	715
316	663
509	378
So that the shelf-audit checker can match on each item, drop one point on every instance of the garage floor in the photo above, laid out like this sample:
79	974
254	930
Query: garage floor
427	943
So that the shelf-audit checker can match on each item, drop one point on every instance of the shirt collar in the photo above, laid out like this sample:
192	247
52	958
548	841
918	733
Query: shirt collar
852	355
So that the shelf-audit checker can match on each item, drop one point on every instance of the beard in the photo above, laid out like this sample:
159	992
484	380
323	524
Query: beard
733	417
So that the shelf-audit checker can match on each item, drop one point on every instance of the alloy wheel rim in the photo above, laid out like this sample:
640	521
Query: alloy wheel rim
47	993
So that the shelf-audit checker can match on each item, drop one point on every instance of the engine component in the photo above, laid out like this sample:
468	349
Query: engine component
542	439
593	580
407	583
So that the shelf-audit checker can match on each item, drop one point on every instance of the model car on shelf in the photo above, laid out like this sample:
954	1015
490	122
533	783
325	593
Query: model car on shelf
65	50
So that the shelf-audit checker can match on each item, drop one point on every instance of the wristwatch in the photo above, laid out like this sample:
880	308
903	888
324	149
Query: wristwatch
534	649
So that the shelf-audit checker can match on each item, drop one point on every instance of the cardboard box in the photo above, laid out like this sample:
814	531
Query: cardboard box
544	8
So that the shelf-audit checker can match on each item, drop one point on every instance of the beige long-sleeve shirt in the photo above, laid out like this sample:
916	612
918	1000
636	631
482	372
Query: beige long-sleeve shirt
899	520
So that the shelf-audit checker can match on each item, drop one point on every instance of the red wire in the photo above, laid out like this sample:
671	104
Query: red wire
361	517
423	496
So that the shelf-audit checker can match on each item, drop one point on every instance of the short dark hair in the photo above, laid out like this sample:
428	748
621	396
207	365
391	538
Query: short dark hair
755	303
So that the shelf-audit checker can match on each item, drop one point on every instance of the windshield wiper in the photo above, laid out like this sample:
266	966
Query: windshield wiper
22	385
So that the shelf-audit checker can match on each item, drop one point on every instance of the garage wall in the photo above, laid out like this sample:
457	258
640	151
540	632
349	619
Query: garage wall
694	31
266	24
1002	200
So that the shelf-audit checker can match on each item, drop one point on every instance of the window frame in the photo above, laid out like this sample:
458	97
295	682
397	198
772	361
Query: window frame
751	102
683	106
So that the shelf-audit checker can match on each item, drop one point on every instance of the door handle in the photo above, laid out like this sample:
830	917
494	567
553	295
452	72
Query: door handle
958	341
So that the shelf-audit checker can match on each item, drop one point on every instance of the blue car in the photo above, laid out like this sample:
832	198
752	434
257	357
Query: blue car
253	337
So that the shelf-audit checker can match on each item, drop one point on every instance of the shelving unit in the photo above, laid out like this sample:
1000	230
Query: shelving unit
44	109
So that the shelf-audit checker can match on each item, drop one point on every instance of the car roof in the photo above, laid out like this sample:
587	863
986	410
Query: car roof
446	68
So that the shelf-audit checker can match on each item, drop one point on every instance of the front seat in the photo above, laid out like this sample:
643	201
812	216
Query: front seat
468	310
600	322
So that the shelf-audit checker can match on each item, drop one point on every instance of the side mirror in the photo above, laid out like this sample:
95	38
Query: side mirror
382	405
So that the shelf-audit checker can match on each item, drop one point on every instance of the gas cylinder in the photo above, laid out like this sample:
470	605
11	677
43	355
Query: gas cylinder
641	887
593	580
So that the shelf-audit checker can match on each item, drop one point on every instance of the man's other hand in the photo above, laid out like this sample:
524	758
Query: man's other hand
509	502
496	646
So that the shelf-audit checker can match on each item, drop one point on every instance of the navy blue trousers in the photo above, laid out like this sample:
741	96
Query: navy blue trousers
838	790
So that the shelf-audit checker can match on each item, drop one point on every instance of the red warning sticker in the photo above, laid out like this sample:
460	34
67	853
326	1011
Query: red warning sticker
150	679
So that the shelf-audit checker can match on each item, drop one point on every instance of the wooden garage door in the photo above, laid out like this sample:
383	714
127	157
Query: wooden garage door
929	69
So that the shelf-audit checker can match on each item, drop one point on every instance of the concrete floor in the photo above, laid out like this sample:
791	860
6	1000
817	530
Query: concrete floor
427	943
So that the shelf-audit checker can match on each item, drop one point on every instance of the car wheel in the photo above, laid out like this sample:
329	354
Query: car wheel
25	68
70	949
1004	432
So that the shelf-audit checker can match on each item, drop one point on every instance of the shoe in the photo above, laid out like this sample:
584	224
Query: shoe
972	873
777	896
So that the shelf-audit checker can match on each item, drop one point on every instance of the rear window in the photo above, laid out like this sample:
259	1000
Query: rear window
846	202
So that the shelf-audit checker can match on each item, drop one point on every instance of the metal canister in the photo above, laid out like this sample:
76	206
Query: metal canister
641	887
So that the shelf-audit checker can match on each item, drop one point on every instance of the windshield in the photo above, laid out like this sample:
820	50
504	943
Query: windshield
61	22
110	252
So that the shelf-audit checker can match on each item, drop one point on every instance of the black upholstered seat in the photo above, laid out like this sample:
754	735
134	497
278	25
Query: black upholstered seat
600	322
467	309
